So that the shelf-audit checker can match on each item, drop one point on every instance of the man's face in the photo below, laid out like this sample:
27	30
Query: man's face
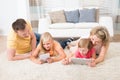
23	33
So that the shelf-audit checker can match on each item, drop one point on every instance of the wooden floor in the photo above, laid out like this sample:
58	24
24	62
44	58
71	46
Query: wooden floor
3	42
115	38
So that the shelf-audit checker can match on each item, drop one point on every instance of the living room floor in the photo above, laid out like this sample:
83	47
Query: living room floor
26	68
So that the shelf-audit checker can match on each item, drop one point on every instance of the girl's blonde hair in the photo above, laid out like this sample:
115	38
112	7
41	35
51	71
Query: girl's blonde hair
85	43
45	37
102	33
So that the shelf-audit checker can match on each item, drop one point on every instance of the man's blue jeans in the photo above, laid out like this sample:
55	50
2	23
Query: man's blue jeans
37	38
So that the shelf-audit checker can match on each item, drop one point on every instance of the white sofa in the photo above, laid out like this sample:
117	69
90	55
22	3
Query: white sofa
62	30
73	30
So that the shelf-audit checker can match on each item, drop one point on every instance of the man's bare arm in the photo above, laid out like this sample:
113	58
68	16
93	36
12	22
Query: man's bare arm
11	53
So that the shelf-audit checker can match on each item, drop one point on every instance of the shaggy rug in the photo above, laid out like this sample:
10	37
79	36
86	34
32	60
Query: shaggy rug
27	70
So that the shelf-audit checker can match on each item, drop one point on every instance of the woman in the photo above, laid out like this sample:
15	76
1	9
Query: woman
100	38
48	45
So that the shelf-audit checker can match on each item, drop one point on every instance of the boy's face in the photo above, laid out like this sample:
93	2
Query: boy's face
83	50
23	33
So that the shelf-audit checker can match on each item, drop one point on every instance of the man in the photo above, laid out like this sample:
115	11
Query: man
21	41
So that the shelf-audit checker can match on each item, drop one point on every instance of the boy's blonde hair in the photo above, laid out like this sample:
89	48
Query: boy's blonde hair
45	37
102	33
85	43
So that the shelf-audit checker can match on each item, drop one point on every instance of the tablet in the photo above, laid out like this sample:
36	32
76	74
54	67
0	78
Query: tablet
82	61
44	56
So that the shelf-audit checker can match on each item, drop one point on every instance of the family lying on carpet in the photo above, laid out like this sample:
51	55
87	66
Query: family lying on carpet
22	42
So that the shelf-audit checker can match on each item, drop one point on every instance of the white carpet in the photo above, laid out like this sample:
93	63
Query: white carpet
27	70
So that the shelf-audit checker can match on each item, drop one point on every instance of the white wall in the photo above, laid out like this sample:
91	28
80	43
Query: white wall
10	11
51	5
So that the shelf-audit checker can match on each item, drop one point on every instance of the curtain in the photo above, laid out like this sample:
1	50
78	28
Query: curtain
36	12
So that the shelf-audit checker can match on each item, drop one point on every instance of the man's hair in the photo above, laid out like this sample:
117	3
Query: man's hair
19	24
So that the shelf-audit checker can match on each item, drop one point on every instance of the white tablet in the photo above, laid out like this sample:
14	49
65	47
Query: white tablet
82	61
44	56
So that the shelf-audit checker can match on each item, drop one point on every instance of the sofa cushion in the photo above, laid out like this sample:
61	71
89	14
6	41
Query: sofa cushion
57	16
87	15
62	26
96	9
86	25
72	16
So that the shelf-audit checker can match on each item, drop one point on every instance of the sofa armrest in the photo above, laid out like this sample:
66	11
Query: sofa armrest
43	25
108	23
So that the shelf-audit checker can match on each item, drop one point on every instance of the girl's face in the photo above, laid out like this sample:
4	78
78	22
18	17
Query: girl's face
83	50
95	40
47	45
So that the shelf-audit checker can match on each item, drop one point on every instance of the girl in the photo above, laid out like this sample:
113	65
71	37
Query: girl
85	50
48	45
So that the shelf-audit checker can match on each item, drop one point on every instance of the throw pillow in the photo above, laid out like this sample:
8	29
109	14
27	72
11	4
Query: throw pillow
72	16
87	15
57	16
